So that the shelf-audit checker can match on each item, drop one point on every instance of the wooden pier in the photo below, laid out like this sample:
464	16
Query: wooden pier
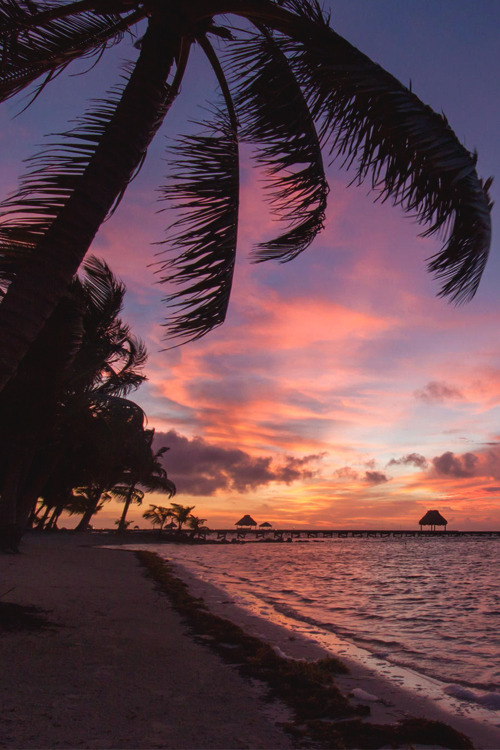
291	534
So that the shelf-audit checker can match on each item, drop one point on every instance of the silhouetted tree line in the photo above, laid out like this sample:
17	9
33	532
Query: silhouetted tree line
70	439
175	519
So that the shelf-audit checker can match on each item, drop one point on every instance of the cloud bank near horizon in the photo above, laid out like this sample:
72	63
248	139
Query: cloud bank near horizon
201	468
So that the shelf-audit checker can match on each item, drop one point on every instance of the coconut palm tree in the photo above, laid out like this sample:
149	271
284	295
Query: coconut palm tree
158	515
181	514
86	354
196	525
289	84
105	447
108	454
146	470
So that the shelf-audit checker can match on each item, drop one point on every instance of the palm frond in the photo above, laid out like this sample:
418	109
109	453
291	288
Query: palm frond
275	118
120	383
29	49
111	358
124	492
204	188
44	191
103	290
408	152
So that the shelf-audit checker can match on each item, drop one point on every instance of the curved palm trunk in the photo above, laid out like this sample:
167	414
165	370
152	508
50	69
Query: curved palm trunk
44	518
34	293
31	398
122	525
93	502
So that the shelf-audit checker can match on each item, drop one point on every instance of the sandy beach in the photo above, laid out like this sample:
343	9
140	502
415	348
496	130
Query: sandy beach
119	669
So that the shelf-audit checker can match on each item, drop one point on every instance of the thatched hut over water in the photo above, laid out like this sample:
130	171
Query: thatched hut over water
433	518
246	521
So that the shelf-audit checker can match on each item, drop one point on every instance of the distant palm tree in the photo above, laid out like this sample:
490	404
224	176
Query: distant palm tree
290	85
181	513
158	515
196	524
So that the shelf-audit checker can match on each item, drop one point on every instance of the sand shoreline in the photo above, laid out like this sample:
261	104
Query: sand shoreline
121	671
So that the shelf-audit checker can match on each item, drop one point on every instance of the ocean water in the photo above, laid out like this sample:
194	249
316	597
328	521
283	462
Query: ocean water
428	604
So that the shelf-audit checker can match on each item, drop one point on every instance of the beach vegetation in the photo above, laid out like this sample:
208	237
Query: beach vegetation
145	470
158	515
18	617
68	433
289	85
196	525
180	515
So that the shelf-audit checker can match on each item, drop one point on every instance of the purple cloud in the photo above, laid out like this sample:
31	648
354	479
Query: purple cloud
376	477
448	464
437	392
413	459
201	468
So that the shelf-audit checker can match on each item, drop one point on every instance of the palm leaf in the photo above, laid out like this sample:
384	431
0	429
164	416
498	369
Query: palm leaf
104	292
53	175
31	46
124	492
111	358
275	118
204	188
409	153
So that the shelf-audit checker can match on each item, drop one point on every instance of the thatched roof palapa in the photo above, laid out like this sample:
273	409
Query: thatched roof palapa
433	518
246	521
265	525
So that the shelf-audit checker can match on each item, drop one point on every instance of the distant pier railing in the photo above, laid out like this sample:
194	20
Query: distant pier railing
290	534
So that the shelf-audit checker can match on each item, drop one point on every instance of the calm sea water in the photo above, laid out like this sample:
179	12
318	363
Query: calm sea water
431	604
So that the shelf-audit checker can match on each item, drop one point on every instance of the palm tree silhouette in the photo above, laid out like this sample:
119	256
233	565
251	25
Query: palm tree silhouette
196	525
158	515
290	85
146	470
181	513
83	364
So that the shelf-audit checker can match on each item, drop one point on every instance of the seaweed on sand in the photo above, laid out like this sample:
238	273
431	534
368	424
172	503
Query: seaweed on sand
321	712
14	617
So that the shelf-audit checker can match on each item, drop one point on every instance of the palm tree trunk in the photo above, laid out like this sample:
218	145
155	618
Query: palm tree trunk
10	530
84	523
34	293
51	524
122	526
43	520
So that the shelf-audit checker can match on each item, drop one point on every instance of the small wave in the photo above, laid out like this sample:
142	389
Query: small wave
488	700
401	603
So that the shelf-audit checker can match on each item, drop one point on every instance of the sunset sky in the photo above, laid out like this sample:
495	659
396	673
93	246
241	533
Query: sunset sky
340	392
